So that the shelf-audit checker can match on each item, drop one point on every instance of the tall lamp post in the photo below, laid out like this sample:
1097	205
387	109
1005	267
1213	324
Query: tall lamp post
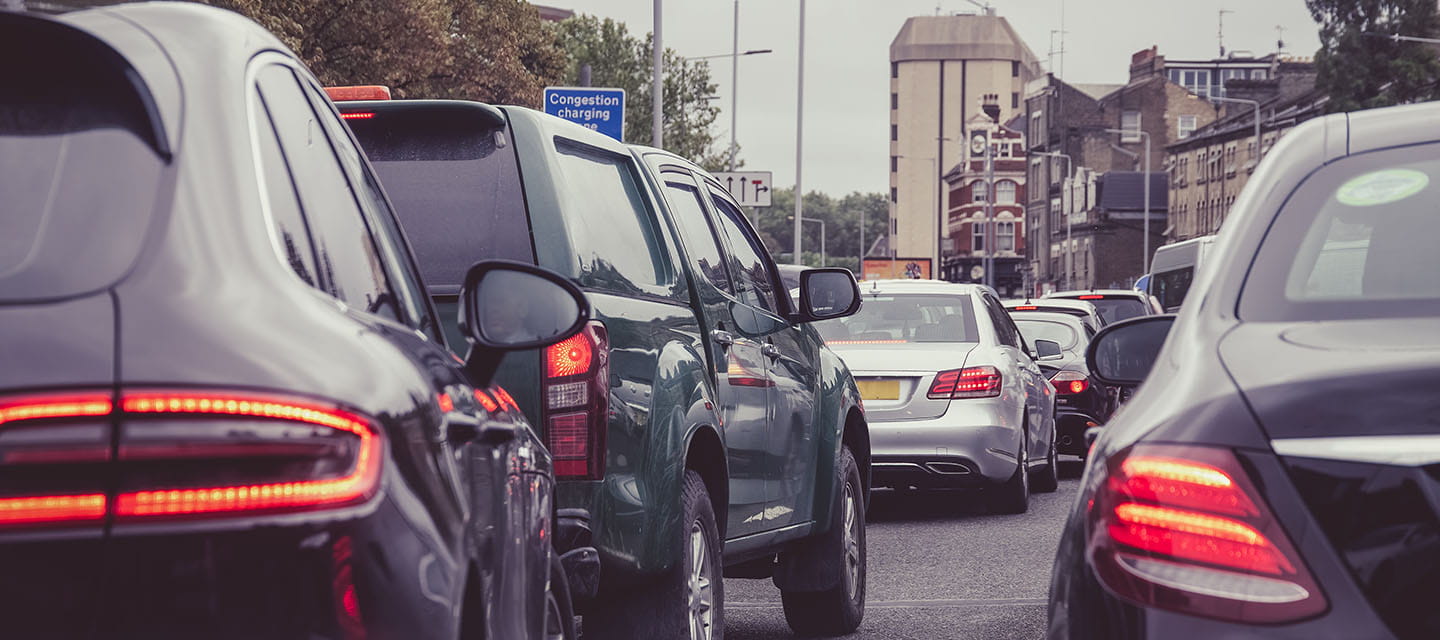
657	86
799	134
1069	252
1145	260
735	79
822	235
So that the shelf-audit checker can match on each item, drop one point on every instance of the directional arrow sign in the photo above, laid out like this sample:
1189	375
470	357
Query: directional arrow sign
750	188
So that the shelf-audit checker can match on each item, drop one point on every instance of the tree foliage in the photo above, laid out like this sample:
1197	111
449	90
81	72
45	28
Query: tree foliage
619	59
842	225
419	48
1359	68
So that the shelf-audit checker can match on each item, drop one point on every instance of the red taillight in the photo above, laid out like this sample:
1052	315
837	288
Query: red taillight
971	382
1092	297
358	115
1182	528
47	509
358	92
1026	307
31	418
576	409
1069	383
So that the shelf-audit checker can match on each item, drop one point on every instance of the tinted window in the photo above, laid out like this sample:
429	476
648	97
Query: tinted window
1005	332
351	267
613	235
1356	240
286	220
700	242
751	275
1170	287
79	171
453	177
888	319
1113	310
1056	332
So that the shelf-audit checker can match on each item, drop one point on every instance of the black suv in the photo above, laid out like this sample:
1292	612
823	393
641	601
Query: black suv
698	408
227	409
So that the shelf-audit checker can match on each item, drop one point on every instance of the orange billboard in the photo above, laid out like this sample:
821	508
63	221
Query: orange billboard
896	268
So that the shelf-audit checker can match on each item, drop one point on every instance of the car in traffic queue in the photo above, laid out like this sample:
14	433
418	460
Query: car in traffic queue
227	409
1174	267
1113	305
1081	401
1082	309
701	428
954	396
1274	475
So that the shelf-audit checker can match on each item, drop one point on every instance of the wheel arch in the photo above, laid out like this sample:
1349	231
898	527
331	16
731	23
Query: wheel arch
705	454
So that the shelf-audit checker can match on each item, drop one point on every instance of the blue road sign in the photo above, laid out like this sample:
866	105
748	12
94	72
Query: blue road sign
594	108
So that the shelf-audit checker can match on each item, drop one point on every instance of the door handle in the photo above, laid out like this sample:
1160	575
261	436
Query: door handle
722	338
770	351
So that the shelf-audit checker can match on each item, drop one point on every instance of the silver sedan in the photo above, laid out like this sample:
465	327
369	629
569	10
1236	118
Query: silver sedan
951	390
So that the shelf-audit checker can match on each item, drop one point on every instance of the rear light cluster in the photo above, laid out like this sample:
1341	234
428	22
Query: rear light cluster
970	382
182	453
577	402
1181	528
1092	296
1069	383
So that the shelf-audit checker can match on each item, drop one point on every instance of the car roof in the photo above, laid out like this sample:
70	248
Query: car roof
919	286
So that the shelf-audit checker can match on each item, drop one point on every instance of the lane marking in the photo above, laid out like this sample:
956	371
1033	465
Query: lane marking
918	604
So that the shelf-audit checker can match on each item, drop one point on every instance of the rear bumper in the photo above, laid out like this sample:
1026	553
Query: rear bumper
972	444
1070	429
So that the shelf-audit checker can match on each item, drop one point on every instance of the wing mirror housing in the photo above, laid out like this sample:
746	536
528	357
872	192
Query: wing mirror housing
1123	353
1048	350
826	294
514	306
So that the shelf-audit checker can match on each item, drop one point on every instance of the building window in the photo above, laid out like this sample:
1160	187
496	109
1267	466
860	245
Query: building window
1015	100
1037	128
894	70
978	191
1257	74
894	101
1187	127
977	236
1015	68
894	132
1130	124
1005	192
894	194
894	164
1005	236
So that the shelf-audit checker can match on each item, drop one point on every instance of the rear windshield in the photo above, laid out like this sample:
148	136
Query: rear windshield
1056	332
1113	310
887	319
453	178
79	171
1355	240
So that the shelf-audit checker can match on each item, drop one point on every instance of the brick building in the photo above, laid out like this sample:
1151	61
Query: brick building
967	195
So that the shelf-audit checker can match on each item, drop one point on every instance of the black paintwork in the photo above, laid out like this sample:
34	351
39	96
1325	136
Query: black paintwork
458	532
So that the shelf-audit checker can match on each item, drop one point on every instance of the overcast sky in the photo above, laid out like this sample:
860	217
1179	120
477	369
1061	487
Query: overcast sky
847	61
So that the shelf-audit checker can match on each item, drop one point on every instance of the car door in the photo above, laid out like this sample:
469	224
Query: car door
736	361
1033	384
790	367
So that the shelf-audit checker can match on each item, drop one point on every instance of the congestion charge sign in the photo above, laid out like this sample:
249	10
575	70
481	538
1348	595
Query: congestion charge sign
594	108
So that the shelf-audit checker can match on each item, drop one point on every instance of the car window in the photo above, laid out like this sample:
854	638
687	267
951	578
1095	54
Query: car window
288	224
1355	240
1005	331
404	279
349	263
1113	310
1056	332
455	183
699	238
752	275
901	318
1171	287
614	236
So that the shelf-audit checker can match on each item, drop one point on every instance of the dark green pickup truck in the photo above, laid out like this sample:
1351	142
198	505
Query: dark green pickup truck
699	426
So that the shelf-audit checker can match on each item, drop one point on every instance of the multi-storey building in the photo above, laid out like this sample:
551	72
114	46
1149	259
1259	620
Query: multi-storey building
940	67
969	192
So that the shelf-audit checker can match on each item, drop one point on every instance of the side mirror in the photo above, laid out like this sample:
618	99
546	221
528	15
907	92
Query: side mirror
1122	354
828	293
1048	350
514	306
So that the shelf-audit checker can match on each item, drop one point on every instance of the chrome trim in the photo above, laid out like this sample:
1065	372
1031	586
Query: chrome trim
1396	450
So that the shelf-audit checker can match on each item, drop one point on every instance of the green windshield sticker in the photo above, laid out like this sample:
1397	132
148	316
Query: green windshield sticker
1382	187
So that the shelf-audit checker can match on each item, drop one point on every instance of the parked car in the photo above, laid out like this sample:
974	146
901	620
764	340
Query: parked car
1082	309
1174	268
692	331
227	409
953	393
1113	305
1275	473
1081	401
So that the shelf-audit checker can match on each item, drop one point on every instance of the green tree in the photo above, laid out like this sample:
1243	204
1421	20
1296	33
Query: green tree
419	48
621	60
1359	69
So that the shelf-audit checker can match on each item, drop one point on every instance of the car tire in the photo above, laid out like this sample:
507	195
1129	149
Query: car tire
1013	497
688	600
559	608
838	610
1047	479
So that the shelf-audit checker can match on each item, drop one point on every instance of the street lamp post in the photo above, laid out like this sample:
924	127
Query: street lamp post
735	80
799	134
822	235
657	86
1069	178
1254	103
1145	260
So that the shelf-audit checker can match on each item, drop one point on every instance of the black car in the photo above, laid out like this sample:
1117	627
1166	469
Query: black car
1276	473
1081	401
227	408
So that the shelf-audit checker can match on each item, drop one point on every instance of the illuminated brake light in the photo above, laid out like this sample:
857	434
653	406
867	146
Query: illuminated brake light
54	406
358	115
576	410
1092	297
358	92
48	509
569	357
1069	383
1182	528
52	509
971	382
1026	307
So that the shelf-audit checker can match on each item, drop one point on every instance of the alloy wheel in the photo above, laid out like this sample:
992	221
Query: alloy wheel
701	586
852	543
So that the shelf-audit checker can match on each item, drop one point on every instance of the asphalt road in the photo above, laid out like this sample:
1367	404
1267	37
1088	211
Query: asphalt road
941	567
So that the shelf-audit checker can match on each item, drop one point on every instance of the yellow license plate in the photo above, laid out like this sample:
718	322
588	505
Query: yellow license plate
879	389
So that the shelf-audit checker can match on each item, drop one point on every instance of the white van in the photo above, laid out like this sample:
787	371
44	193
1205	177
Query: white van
1173	269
